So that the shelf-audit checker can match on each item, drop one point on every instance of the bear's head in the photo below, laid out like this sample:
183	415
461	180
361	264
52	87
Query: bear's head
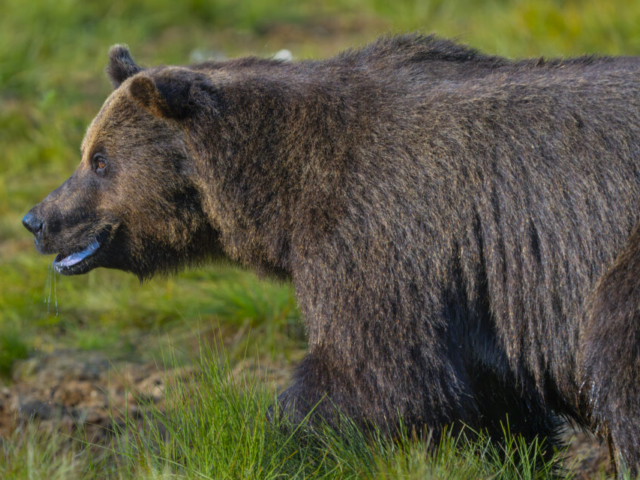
133	203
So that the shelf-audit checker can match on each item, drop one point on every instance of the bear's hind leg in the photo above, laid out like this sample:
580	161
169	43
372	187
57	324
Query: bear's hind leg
610	356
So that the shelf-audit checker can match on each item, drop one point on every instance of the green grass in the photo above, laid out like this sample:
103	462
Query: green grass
34	454
52	56
12	348
214	428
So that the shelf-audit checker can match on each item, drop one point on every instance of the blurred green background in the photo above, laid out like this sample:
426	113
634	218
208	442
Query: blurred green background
52	57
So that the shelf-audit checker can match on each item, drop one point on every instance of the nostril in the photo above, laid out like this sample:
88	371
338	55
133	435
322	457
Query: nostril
32	223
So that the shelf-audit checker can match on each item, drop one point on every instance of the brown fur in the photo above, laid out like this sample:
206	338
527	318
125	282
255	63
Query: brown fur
457	226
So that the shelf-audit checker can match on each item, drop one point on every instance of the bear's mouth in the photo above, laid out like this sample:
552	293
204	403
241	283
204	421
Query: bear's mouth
80	261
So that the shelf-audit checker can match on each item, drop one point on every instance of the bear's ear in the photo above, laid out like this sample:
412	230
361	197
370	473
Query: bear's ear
166	96
121	65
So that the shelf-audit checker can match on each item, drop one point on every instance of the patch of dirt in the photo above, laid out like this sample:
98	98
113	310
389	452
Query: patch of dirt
586	457
69	390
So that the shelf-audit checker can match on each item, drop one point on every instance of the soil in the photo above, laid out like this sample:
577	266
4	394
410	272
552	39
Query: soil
69	390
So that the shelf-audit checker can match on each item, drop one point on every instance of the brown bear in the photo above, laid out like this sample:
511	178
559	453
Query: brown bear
459	227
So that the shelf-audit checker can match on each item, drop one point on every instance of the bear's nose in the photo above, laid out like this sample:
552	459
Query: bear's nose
33	224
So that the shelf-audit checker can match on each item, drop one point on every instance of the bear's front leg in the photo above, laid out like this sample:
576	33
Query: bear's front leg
319	392
324	391
330	388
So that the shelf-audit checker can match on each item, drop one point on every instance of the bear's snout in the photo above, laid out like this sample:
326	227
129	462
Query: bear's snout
34	224
43	227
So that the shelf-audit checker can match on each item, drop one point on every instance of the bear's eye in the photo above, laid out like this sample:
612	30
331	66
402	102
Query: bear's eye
100	164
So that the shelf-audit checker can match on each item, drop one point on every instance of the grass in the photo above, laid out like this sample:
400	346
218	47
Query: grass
12	348
34	454
52	56
214	427
222	434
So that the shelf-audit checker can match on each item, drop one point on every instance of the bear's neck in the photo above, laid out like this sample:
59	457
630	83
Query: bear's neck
275	167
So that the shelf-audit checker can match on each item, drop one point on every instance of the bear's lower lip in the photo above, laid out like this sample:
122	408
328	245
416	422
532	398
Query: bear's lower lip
77	262
76	257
